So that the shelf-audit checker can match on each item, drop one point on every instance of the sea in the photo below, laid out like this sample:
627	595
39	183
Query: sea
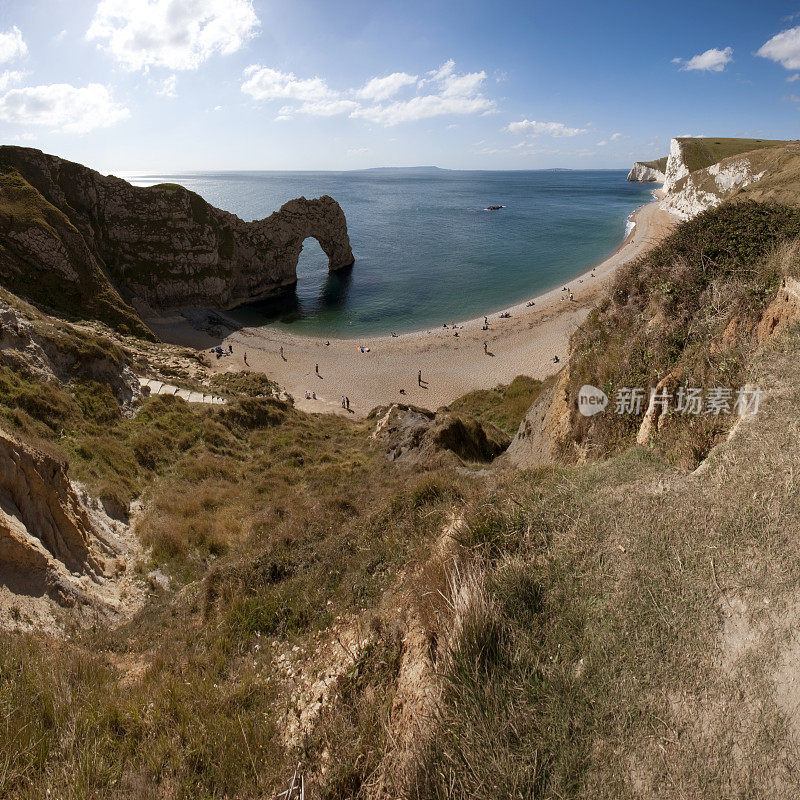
426	250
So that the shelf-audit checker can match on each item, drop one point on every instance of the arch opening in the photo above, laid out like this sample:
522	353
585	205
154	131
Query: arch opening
316	290
312	273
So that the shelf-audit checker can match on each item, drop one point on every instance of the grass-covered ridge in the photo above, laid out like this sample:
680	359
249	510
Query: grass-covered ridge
659	164
64	278
688	308
700	153
503	406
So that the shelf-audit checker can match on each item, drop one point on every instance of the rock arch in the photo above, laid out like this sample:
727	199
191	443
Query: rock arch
156	248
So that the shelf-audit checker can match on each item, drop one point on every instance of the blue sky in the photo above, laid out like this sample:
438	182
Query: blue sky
172	85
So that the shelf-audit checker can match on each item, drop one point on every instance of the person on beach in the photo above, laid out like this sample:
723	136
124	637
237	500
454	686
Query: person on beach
343	401
230	349
485	320
245	359
347	403
555	359
316	369
486	348
419	378
282	352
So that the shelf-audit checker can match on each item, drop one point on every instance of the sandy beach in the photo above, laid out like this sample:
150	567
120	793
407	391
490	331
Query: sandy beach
451	366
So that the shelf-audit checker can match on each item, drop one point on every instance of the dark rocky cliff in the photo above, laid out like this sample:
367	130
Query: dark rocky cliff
88	245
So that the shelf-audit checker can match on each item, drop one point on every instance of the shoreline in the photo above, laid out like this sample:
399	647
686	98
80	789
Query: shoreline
523	344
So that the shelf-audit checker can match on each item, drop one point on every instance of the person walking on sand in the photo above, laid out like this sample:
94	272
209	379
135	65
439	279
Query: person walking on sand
419	378
486	348
245	360
281	351
316	369
347	402
343	401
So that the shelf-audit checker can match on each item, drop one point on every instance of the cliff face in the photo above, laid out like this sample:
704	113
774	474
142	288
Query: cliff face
707	188
86	244
702	173
647	172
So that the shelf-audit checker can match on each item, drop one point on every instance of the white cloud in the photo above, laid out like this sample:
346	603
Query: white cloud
60	36
615	137
169	87
449	93
378	89
61	106
12	45
177	34
443	72
452	94
264	83
327	108
793	78
8	78
355	151
527	127
217	108
602	144
712	60
784	48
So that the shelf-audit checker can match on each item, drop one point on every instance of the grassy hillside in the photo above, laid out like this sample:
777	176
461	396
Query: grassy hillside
29	220
701	153
688	309
624	628
660	164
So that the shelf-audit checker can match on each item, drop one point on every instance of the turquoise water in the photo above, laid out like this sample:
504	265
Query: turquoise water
426	251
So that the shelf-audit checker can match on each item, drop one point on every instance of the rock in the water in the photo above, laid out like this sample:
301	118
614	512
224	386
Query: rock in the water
80	243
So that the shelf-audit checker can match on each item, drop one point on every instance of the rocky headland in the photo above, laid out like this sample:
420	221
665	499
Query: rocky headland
648	171
699	174
83	244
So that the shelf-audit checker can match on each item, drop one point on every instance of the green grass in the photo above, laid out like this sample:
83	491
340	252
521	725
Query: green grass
615	630
503	406
668	311
273	523
701	153
660	164
89	295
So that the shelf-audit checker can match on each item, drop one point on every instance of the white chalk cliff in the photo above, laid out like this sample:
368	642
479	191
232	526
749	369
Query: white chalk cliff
644	173
699	176
687	194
